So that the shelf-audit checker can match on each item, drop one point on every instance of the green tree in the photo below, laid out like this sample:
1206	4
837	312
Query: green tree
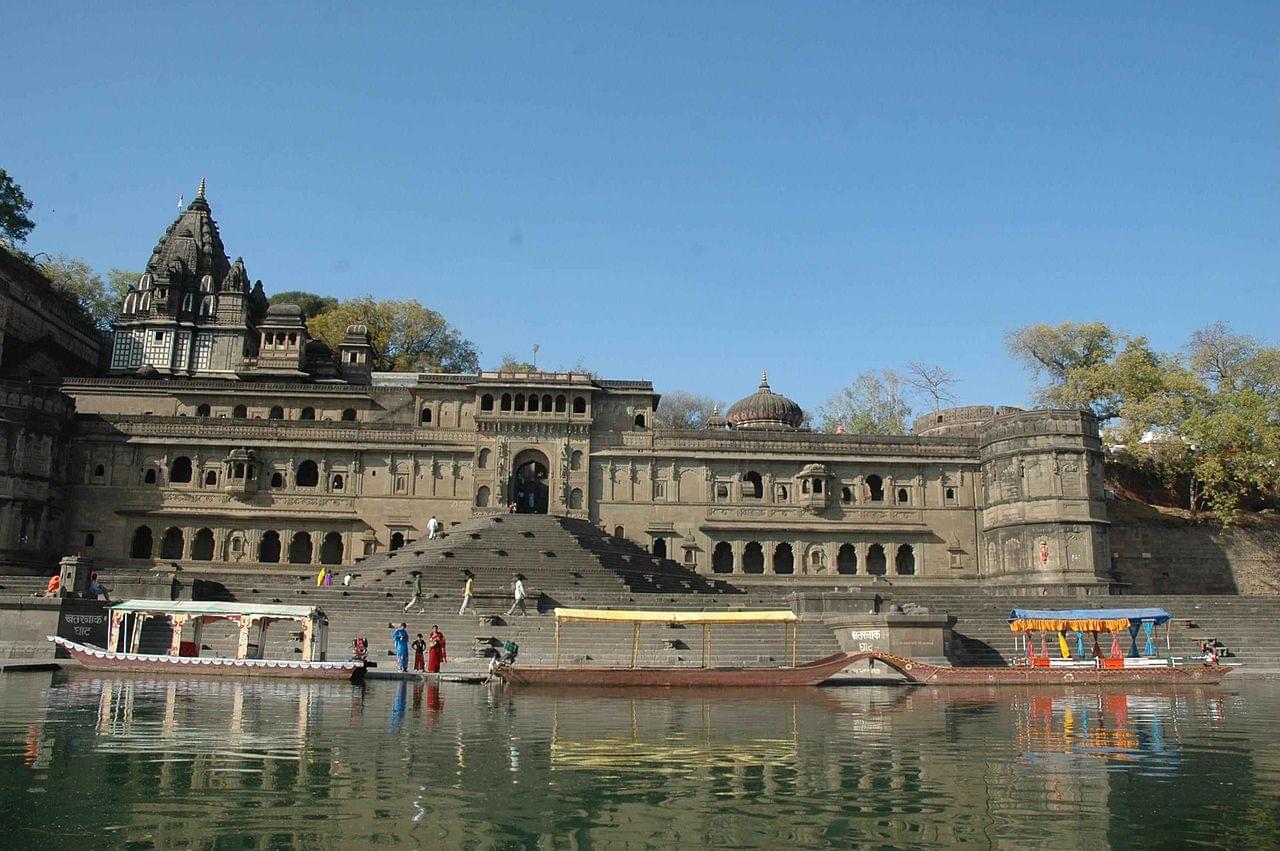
312	304
875	403
15	224
511	364
75	279
118	283
683	409
1071	358
407	336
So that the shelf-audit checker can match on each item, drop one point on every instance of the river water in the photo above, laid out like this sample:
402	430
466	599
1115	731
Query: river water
91	762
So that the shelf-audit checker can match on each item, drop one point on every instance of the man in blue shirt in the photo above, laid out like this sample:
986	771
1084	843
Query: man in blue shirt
401	639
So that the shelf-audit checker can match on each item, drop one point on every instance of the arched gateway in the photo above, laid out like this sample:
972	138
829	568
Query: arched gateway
529	482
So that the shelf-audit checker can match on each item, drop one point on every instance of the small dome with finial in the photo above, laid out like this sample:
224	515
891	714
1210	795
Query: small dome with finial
765	409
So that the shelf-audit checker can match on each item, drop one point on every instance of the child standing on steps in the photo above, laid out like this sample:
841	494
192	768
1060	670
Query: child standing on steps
419	648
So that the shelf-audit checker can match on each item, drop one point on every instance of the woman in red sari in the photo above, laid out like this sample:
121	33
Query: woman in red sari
436	655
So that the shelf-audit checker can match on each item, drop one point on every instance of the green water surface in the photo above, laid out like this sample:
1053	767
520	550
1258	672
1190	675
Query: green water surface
138	762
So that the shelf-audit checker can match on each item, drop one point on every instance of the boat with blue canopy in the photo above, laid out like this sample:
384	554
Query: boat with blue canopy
1069	649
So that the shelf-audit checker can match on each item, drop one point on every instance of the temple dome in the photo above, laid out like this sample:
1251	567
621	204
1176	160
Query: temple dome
765	409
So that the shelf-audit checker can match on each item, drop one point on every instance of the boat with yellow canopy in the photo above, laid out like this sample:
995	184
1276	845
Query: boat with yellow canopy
705	674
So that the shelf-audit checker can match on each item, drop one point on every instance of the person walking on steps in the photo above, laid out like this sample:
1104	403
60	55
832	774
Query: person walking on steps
416	599
517	589
419	647
401	639
433	528
468	594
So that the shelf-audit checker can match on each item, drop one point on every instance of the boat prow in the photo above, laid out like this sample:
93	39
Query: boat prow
98	659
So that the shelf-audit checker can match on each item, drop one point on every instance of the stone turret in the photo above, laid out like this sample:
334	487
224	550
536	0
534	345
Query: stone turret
282	350
1044	517
355	355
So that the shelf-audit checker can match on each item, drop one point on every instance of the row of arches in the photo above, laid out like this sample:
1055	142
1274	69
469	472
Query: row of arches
271	547
181	471
533	403
783	559
276	412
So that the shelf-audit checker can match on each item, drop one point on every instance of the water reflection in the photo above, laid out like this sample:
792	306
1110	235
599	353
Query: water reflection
207	762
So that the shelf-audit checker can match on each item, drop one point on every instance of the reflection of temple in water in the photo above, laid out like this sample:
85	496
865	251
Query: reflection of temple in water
417	765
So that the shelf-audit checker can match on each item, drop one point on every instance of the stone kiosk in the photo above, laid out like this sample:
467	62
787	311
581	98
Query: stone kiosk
866	621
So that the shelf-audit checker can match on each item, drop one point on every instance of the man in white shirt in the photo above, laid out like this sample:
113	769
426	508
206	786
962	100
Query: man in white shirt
518	588
433	528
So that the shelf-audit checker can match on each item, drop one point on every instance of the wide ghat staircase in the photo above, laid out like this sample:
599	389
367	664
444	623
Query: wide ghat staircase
565	562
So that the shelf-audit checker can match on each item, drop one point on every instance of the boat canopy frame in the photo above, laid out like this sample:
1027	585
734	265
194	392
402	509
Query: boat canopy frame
637	617
252	619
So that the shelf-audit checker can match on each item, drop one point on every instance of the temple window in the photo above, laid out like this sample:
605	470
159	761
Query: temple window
348	415
425	416
202	410
486	402
875	488
149	477
579	405
277	480
903	496
277	413
560	404
239	412
180	471
950	496
307	414
99	471
337	483
210	478
308	474
533	402
752	485
639	420
846	495
506	401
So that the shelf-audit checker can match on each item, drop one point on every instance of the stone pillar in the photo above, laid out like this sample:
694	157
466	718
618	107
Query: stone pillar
737	555
797	557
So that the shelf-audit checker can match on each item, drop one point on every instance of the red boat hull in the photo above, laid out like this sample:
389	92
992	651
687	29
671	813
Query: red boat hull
808	674
97	659
941	675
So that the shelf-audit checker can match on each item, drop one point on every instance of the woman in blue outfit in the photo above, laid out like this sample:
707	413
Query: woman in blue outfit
401	639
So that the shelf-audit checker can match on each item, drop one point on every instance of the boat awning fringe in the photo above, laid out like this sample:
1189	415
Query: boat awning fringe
644	616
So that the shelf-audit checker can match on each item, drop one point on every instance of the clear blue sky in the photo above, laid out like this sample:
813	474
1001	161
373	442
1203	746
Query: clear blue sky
686	192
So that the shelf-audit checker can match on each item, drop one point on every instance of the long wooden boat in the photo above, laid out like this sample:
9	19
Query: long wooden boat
1099	673
97	659
187	619
807	674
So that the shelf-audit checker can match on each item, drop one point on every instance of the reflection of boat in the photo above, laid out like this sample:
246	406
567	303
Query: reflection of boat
808	674
129	617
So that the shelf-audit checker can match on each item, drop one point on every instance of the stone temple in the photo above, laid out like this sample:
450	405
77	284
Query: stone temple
222	433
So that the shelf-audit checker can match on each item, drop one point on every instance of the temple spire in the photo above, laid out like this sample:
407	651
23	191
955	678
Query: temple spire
200	191
764	379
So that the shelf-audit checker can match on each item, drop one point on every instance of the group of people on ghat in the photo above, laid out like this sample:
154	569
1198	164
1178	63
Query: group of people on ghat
428	654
